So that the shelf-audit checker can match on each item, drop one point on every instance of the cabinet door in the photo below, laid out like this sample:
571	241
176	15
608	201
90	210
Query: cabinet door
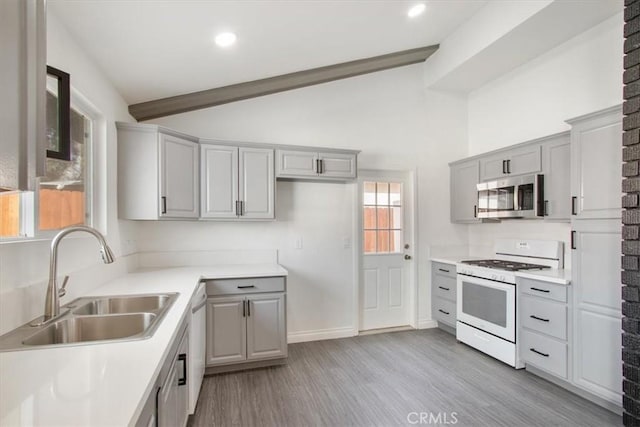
597	165
337	165
524	160
557	179
464	193
493	167
168	399
257	182
226	330
178	177
266	327
517	161
597	307
182	400
296	163
219	184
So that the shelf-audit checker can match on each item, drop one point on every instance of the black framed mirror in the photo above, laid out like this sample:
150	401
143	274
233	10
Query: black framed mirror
58	123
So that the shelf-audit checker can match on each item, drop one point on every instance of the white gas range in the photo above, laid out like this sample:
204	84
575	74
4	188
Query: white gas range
487	298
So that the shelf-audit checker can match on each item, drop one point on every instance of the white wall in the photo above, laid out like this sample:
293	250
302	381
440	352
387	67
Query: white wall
395	123
578	77
24	265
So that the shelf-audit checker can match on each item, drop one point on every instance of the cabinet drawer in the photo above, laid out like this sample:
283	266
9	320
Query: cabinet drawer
544	352
444	287
245	286
543	289
444	311
444	269
543	316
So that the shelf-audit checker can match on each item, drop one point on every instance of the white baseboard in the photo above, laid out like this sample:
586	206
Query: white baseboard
427	324
321	334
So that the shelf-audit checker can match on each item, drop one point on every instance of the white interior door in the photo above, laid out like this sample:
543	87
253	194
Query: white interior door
386	291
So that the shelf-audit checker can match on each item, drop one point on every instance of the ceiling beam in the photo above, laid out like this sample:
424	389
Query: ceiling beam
237	92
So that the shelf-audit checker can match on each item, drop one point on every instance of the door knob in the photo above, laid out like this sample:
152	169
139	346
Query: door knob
407	257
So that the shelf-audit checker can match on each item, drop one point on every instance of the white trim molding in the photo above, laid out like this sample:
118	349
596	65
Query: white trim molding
321	334
425	323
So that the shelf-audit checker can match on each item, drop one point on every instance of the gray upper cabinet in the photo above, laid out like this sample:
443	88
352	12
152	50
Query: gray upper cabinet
556	168
157	173
292	163
596	164
178	177
516	161
237	182
309	164
219	185
257	183
464	195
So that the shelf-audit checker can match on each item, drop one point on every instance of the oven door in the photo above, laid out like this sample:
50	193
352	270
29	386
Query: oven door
487	305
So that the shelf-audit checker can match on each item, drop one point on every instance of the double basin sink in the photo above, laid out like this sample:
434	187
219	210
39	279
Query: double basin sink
95	319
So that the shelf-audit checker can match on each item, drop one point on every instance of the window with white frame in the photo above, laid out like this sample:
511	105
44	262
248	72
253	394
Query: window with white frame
62	197
382	222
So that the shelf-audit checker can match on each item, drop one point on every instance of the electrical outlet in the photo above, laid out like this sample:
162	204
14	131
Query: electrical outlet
298	244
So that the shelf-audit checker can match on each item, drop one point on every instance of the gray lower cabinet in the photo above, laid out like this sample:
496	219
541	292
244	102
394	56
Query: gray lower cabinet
544	311
168	403
596	266
443	293
246	321
464	177
173	397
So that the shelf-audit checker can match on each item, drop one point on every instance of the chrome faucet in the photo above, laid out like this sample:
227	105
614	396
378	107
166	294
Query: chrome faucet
52	301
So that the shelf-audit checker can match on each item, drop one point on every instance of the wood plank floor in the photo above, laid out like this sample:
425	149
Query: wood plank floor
379	380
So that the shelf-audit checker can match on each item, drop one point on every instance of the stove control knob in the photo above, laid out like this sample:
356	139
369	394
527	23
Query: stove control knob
502	278
494	277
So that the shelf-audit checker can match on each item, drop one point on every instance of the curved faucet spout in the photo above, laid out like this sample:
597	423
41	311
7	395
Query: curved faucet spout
52	301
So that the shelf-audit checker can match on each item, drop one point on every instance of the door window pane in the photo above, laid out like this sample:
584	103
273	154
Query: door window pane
369	219
369	242
383	241
382	217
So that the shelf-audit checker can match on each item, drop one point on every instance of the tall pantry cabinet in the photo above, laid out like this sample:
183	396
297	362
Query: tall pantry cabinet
596	170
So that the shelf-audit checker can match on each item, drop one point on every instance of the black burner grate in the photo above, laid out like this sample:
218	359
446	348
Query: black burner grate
501	264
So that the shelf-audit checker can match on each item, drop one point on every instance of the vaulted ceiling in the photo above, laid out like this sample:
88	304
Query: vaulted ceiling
152	49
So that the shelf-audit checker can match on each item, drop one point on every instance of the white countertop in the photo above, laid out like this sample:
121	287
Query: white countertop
558	276
104	384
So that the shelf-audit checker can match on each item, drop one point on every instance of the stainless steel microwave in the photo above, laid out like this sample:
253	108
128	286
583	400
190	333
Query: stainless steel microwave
517	197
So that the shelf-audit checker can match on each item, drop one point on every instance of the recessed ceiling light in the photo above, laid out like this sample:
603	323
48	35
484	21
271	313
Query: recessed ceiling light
225	39
416	10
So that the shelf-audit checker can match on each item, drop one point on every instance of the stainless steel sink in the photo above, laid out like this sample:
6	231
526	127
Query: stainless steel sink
92	328
92	320
127	304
